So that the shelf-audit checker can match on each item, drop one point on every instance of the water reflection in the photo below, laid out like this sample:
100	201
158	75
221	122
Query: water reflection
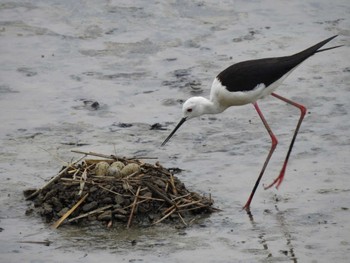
264	236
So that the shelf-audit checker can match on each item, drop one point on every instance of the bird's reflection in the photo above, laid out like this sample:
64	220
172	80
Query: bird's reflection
283	226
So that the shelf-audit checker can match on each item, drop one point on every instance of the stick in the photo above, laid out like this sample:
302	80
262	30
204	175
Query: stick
54	179
111	191
45	242
83	179
59	221
112	157
101	209
164	217
201	207
172	182
133	207
192	220
137	203
192	203
182	196
159	192
183	221
151	198
168	209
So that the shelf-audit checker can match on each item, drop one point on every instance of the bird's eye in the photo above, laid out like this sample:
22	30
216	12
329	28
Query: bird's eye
189	110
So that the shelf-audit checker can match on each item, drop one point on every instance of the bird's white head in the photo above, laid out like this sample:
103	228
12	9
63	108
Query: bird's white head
195	107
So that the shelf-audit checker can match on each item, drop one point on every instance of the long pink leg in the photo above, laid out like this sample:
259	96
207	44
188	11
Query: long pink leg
302	108
273	147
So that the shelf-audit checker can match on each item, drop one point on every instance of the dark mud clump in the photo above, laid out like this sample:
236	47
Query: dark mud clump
117	190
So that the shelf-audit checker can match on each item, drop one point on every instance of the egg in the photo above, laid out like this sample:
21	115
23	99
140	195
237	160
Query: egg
113	171
130	169
101	168
118	165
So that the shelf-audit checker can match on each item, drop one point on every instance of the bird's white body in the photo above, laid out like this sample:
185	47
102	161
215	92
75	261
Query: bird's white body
220	95
221	99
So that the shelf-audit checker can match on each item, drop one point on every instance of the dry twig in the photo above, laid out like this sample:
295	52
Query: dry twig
59	222
133	207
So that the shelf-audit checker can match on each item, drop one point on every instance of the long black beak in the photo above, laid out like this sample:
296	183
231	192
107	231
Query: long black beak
173	132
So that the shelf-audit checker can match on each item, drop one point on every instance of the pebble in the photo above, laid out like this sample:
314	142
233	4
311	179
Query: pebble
118	199
47	208
90	206
160	183
63	211
105	216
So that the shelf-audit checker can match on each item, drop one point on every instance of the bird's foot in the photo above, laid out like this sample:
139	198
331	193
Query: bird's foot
247	205
278	180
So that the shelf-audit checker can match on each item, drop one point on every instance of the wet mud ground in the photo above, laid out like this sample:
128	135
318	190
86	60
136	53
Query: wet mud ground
96	76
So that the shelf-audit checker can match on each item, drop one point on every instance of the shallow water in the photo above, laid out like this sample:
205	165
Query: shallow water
139	62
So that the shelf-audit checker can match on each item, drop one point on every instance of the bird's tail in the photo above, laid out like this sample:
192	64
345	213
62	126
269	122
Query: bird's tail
328	48
316	48
301	56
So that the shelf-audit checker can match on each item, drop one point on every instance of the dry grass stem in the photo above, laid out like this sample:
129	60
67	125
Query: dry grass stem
59	221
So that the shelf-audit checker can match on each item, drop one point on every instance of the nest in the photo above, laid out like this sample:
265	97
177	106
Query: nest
117	190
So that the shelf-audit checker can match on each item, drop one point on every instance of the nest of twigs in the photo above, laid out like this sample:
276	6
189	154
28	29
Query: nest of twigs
117	190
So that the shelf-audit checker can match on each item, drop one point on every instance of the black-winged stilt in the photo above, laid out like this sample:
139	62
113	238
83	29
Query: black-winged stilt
246	82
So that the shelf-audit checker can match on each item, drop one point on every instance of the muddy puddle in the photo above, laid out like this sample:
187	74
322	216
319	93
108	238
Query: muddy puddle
110	77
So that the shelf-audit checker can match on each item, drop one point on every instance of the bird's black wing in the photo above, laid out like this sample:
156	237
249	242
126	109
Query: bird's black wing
245	76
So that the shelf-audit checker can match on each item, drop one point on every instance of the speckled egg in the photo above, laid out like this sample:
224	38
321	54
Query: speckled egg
130	169
101	168
113	171
118	165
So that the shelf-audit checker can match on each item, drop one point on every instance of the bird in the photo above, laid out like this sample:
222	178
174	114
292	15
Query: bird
245	83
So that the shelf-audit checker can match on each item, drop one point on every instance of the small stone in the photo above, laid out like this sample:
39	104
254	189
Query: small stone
95	105
50	194
91	218
107	200
90	206
29	211
28	192
57	205
120	217
105	216
118	199
120	211
63	211
127	186
160	183
147	194
93	189
39	201
47	208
